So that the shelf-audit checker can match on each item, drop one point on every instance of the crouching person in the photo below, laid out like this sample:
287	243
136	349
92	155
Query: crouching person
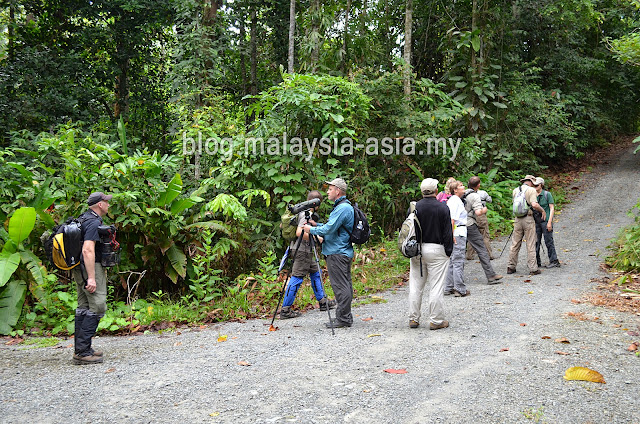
91	281
304	263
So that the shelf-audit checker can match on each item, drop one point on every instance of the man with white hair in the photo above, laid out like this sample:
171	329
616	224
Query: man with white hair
338	250
431	266
545	227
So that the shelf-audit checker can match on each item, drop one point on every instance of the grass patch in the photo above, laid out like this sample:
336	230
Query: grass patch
38	342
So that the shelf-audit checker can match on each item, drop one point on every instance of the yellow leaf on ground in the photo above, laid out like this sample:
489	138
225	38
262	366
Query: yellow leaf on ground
222	338
374	335
583	374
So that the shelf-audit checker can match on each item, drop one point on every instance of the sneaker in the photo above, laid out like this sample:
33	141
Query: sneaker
511	270
336	324
287	313
495	279
555	264
323	304
414	324
96	352
456	293
86	360
433	326
448	292
536	272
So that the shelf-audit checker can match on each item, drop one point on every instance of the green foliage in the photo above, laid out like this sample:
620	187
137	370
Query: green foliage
13	287
626	249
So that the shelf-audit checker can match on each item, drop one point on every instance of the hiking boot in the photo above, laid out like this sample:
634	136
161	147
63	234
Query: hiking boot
96	352
456	293
495	279
414	324
448	292
555	264
511	270
86	360
286	313
323	304
336	324
536	272
433	326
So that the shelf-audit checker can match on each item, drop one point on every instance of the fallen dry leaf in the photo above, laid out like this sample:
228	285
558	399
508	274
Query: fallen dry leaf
504	349
367	319
222	338
110	370
522	324
374	335
576	301
559	352
244	363
563	340
530	292
392	371
583	374
527	281
272	328
177	343
546	337
633	347
17	340
214	414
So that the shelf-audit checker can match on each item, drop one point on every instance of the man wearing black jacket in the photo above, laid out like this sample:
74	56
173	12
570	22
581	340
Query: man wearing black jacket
431	266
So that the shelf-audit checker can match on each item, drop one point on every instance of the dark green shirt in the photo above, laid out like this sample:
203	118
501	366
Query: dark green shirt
545	199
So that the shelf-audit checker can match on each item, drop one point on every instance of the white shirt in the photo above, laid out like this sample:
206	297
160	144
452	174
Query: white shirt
459	216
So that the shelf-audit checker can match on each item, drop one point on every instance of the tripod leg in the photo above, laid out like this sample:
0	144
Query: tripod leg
505	245
312	241
284	286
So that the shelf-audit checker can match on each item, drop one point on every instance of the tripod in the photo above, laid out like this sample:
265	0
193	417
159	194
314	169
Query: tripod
313	241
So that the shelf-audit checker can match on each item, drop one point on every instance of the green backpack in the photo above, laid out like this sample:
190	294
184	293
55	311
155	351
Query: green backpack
288	226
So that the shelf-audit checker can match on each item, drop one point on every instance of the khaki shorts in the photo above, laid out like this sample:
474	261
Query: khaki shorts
304	264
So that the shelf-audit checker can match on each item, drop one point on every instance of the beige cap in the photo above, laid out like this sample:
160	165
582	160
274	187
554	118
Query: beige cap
539	181
429	186
339	183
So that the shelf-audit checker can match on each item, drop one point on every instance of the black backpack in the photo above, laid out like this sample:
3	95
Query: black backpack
64	246
361	231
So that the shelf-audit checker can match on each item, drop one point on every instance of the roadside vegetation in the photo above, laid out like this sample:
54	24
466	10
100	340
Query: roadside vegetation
156	103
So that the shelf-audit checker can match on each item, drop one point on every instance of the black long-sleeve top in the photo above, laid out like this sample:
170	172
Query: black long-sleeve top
435	221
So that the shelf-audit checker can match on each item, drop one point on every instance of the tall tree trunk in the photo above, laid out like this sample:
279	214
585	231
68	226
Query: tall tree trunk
315	34
12	22
408	25
243	55
345	41
254	52
292	33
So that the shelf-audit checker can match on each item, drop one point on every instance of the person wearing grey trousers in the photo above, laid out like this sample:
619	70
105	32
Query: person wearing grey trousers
474	208
455	274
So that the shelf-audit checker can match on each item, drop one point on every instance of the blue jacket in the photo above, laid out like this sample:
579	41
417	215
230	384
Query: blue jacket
337	240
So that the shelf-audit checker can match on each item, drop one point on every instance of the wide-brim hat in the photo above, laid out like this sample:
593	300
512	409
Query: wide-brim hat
530	178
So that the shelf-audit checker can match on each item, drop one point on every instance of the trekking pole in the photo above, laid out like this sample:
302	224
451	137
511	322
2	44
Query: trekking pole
312	240
286	281
505	245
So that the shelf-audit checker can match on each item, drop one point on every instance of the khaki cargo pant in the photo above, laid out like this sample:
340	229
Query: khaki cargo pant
524	227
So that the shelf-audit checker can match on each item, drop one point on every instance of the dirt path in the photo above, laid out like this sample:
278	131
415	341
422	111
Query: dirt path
302	373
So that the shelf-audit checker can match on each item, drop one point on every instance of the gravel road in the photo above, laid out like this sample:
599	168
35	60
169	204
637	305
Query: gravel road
303	374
